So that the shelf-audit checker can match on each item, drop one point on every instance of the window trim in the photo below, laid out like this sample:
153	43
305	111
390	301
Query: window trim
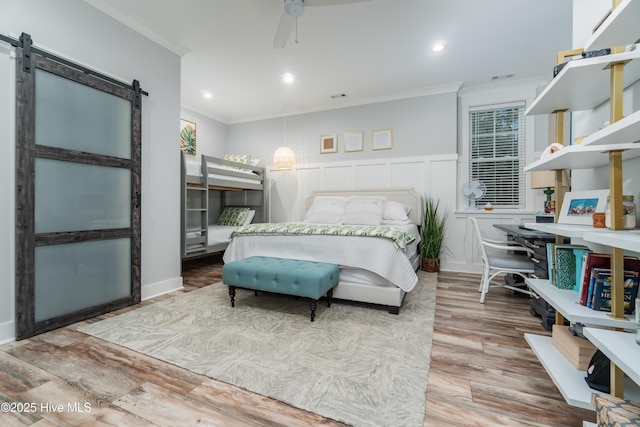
491	97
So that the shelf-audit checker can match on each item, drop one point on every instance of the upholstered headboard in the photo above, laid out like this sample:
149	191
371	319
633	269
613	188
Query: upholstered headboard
408	196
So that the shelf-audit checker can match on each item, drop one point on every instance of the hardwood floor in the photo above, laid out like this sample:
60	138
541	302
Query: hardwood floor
482	374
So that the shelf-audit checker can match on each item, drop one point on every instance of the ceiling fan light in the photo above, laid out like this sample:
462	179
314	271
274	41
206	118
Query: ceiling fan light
294	8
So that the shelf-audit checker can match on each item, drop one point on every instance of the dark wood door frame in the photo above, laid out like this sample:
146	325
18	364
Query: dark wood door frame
26	153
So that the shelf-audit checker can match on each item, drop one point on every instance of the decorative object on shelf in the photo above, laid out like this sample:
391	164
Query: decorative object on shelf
628	213
577	350
578	207
547	181
598	373
329	143
599	220
188	137
488	207
381	139
284	158
353	141
432	233
472	191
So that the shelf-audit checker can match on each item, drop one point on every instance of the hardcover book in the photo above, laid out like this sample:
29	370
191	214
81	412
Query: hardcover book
602	291
565	265
600	260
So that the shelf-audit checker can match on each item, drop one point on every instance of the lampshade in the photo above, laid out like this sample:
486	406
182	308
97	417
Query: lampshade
547	179
284	158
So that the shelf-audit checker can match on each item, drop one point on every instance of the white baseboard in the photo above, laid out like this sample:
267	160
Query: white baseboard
7	332
461	267
160	288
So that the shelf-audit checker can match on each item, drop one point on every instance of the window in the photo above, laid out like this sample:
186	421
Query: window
497	153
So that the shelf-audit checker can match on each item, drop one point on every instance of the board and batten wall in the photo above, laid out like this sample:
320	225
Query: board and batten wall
75	30
427	175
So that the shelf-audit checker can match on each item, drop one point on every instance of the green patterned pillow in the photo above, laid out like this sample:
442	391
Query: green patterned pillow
239	158
233	216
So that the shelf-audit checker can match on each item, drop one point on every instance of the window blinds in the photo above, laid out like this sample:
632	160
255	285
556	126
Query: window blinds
497	153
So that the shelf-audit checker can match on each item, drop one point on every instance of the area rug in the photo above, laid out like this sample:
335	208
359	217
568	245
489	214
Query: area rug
356	363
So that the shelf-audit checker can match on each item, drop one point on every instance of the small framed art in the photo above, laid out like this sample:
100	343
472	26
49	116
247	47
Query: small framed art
353	141
578	207
381	139
188	137
329	143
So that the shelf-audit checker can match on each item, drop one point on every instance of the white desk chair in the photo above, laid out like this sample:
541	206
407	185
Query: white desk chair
501	263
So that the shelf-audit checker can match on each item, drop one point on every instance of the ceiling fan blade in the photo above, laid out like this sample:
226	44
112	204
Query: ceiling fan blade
330	2
284	30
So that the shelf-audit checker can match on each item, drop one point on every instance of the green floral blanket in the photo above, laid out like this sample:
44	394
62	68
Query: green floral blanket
400	237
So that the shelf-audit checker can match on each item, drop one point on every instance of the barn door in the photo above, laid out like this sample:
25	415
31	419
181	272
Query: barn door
78	195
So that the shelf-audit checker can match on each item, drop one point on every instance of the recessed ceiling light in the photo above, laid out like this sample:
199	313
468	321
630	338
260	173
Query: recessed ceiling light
438	47
287	78
207	95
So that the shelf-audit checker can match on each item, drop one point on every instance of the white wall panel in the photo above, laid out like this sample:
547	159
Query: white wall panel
338	176
371	175
409	174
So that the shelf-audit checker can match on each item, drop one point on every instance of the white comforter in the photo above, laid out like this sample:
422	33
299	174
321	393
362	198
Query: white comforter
376	254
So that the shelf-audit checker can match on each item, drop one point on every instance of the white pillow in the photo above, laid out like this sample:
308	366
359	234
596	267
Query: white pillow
326	210
364	210
396	211
395	222
250	216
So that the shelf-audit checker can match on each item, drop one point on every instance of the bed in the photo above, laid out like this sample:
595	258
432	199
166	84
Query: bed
210	187
373	269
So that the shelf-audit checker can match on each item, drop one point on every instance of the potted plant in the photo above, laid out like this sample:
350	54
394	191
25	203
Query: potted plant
434	222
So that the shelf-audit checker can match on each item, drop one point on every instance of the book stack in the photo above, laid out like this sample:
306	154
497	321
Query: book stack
595	282
564	262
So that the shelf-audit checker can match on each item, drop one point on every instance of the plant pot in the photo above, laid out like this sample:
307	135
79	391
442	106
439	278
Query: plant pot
430	265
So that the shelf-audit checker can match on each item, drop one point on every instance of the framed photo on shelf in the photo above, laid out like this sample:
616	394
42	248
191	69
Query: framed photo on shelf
329	143
578	207
188	137
353	141
381	139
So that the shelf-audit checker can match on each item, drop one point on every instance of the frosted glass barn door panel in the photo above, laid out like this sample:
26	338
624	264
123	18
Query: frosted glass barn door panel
73	116
75	276
75	196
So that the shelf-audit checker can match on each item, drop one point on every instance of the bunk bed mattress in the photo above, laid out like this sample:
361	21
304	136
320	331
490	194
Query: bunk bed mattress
194	169
375	255
216	234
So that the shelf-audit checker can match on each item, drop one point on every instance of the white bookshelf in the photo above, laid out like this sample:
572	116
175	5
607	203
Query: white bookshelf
583	157
623	131
583	84
566	302
629	240
620	347
569	380
565	230
619	29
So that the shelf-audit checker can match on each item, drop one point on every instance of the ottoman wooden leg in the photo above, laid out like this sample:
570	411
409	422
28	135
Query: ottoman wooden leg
313	306
232	294
329	296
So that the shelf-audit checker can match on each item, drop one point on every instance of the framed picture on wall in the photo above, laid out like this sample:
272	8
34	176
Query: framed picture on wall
353	141
329	143
381	139
188	137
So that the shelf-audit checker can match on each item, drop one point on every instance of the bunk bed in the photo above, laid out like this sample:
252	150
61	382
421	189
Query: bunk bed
373	269
209	185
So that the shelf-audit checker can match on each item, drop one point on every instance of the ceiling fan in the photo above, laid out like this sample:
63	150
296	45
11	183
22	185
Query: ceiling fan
293	9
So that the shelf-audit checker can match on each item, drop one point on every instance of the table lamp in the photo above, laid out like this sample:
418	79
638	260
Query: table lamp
547	181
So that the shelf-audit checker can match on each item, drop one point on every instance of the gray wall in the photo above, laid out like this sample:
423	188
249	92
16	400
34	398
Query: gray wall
424	125
73	29
211	135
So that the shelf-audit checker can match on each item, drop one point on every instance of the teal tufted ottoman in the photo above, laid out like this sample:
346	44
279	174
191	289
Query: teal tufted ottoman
283	276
